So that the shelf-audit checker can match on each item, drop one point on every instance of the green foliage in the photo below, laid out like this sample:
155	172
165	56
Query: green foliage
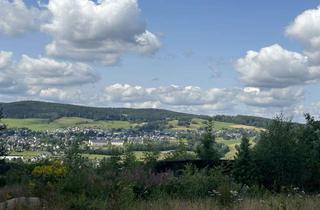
195	183
207	150
277	155
181	153
285	157
243	168
151	158
130	160
309	141
3	152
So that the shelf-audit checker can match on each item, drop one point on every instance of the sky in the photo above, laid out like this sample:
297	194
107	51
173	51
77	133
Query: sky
198	56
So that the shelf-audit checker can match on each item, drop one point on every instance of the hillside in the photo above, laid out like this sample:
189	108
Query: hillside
54	111
244	120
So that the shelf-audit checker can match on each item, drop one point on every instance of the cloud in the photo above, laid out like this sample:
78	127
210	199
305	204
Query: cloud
53	94
306	29
10	86
196	100
172	97
8	83
49	72
275	97
5	59
275	67
16	18
102	32
126	93
41	76
192	99
191	95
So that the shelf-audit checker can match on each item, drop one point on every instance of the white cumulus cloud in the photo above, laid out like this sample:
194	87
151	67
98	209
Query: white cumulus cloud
89	31
275	67
306	29
41	76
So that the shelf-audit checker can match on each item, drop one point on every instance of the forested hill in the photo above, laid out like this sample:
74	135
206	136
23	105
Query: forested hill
46	110
36	109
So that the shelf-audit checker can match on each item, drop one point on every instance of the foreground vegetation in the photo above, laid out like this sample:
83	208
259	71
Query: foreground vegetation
281	171
278	202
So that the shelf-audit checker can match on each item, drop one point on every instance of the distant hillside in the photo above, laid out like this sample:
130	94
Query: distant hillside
52	111
244	120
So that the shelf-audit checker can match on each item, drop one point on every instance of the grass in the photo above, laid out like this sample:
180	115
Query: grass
26	154
248	127
64	122
33	124
67	122
95	156
232	146
280	202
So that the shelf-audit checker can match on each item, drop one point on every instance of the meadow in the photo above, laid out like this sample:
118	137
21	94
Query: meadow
64	122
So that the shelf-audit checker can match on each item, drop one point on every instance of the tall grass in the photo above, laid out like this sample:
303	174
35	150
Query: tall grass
270	203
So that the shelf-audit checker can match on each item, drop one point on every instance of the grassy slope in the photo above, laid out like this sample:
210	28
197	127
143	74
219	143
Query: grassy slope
232	146
64	122
197	123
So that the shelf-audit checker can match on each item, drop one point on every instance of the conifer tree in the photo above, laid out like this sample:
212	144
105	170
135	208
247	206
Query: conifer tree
243	170
207	149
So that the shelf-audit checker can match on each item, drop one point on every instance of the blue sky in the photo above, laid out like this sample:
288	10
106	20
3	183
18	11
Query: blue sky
183	55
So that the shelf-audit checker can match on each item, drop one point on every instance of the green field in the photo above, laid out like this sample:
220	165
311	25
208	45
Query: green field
197	123
232	146
26	154
67	122
64	122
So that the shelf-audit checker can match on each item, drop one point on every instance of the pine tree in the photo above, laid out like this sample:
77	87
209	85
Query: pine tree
207	150
243	166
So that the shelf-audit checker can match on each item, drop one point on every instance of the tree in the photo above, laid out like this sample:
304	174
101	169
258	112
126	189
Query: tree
3	150
243	169
277	155
309	141
181	153
207	149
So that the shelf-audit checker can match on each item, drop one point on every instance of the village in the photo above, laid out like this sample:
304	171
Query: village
54	143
